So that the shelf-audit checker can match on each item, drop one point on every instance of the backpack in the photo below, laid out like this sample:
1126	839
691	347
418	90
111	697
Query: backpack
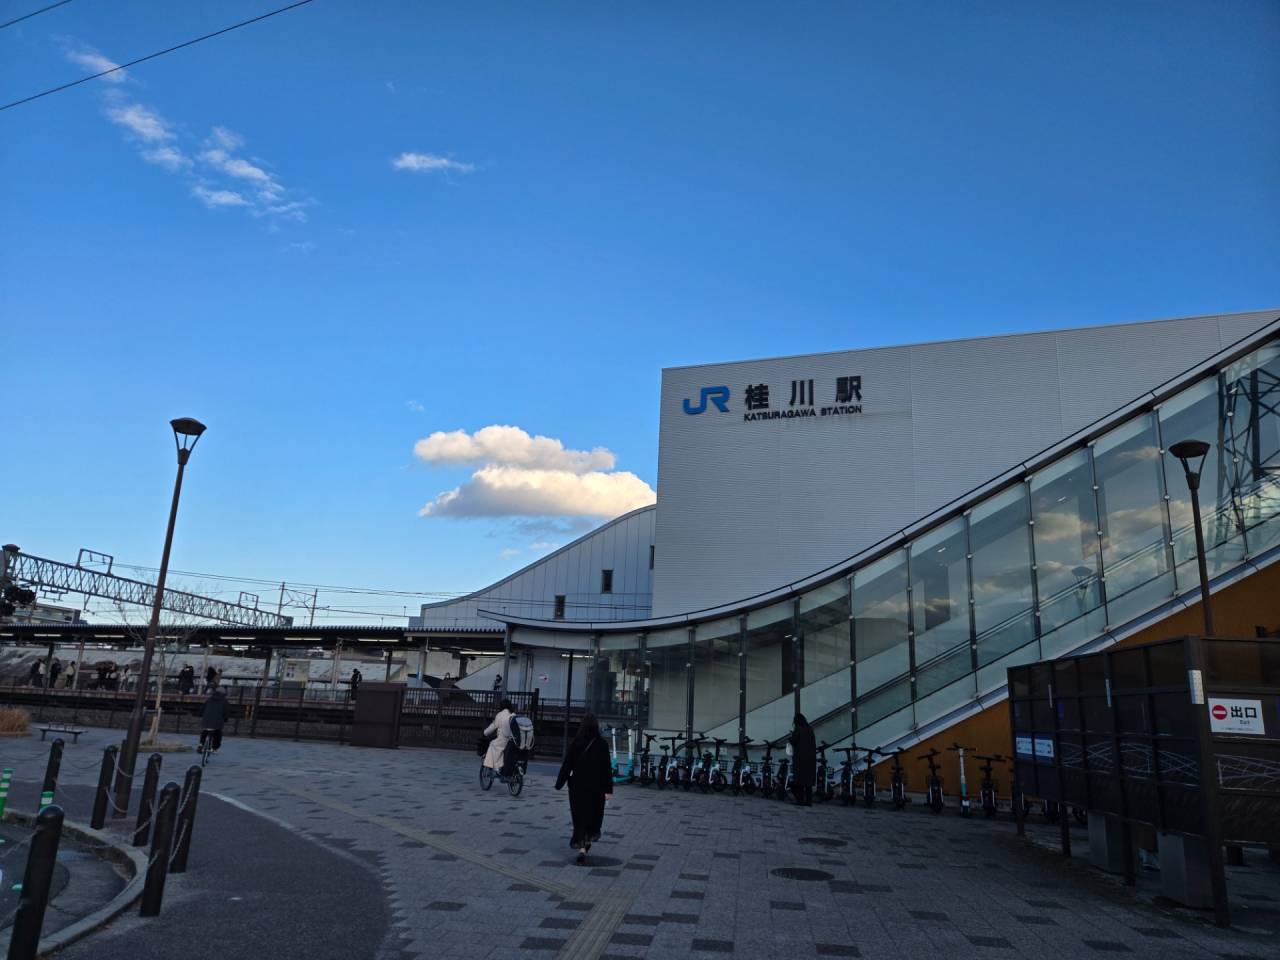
522	733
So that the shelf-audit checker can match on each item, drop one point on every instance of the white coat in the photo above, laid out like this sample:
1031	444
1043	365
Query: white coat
497	747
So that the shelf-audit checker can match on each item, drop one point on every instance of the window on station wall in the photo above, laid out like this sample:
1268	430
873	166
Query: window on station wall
1253	434
651	552
1065	534
606	581
1003	601
1135	555
1198	413
880	621
559	606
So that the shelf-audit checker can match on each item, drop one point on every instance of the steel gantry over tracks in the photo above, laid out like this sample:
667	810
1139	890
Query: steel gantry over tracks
73	578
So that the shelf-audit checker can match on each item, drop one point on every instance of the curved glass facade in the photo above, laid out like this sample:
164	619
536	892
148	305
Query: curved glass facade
1085	543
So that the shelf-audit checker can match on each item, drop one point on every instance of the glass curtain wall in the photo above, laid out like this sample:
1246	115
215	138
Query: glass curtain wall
715	679
667	655
940	607
881	623
1068	569
1003	594
825	652
1200	414
771	671
1134	525
1253	435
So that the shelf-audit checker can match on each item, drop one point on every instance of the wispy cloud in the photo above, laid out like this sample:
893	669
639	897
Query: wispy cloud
171	158
213	199
140	121
415	406
429	163
304	247
94	62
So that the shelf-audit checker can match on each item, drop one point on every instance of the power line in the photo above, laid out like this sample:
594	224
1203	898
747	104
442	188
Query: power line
152	56
33	13
443	594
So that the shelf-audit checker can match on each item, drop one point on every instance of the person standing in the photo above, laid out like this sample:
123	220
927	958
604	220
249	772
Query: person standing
55	671
804	761
37	673
210	679
69	681
356	677
588	772
497	683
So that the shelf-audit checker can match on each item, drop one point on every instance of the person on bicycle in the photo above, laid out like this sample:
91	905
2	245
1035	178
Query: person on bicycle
495	757
213	718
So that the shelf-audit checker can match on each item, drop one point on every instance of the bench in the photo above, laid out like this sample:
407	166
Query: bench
74	732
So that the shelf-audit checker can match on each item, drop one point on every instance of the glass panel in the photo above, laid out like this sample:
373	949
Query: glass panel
889	725
940	592
1199	413
618	686
1126	462
666	652
880	621
943	671
770	672
1066	540
943	698
715	679
1000	541
824	632
884	702
834	731
993	675
1253	437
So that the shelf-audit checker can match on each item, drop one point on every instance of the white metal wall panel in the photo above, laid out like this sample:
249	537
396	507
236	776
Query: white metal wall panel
574	571
748	506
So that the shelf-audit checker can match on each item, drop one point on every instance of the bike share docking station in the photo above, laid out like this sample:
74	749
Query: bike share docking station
1181	736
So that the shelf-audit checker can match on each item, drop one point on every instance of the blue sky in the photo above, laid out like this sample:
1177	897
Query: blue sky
598	192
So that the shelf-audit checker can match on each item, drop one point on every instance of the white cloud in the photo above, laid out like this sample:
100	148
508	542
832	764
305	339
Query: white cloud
391	87
303	246
502	491
415	406
95	62
543	545
235	167
226	139
509	552
218	198
142	122
429	163
510	446
171	158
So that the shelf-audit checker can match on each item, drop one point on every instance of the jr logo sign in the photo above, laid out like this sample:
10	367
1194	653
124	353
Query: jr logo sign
717	395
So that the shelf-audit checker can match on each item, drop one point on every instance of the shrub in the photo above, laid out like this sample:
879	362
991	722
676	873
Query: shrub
13	720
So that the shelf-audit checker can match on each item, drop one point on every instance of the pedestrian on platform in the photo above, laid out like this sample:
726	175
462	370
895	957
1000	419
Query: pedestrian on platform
356	677
588	772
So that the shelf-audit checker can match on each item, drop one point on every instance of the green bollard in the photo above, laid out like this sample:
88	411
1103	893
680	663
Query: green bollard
5	777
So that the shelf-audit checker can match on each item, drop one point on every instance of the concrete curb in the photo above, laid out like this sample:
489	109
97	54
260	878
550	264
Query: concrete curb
109	849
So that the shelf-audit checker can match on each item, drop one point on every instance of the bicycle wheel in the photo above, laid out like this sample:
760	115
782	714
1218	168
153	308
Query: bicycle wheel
515	783
718	782
486	777
749	785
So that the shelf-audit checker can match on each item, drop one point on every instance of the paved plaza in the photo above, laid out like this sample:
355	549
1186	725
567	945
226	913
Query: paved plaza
324	850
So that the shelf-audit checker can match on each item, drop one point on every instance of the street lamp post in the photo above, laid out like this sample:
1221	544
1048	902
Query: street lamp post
186	432
1192	454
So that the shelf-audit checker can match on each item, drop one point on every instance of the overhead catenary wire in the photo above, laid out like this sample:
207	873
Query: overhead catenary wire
153	56
34	13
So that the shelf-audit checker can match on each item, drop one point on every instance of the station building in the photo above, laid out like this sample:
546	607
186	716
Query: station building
872	537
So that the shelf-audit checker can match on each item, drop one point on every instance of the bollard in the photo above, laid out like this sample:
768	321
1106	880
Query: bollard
103	794
186	819
161	844
51	772
147	802
29	919
5	777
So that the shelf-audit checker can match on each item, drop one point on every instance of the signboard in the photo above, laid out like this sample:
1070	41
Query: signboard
1024	746
764	401
1237	716
1044	748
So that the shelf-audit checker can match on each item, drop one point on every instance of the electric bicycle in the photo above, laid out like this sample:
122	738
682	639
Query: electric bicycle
933	792
988	797
898	782
847	774
965	806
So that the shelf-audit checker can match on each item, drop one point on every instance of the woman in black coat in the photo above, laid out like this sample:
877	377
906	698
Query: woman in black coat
589	773
804	761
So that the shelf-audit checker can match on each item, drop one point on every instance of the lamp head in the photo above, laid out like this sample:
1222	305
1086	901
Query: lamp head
186	431
1192	454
